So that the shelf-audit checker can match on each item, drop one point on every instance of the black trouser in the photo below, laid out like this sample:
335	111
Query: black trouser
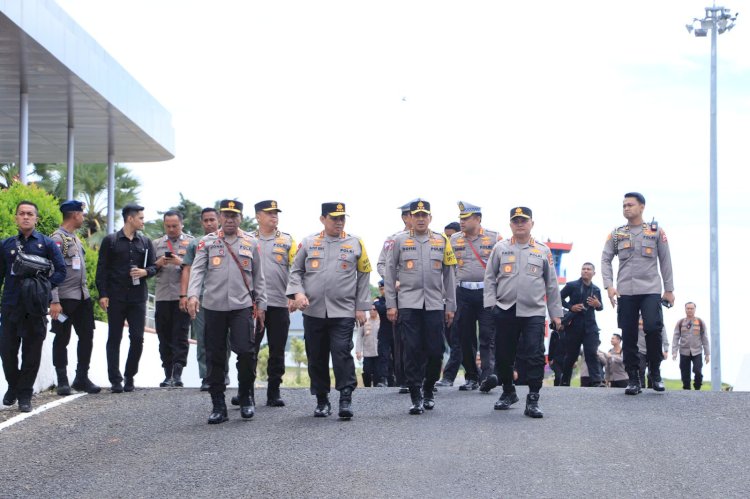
557	368
508	330
572	345
324	338
368	371
649	306
81	316
399	364
385	353
453	339
277	325
238	326
117	313
642	366
173	329
697	362
422	332
29	338
471	312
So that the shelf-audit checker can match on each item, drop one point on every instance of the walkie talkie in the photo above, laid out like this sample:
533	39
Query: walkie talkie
654	225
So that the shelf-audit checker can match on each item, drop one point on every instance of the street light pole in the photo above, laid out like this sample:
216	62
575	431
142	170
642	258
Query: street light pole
718	20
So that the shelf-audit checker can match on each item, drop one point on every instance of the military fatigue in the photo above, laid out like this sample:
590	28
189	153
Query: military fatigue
423	265
277	251
520	284
228	303
172	324
471	257
74	298
690	340
334	273
642	253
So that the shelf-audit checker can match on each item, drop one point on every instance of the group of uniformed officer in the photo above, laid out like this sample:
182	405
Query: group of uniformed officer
243	284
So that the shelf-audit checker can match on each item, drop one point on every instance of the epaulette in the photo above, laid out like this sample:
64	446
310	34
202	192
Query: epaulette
616	236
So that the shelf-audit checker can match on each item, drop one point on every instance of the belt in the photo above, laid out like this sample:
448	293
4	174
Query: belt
471	285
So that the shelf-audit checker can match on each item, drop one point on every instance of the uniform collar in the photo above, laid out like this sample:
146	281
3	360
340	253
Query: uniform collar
34	235
323	235
531	242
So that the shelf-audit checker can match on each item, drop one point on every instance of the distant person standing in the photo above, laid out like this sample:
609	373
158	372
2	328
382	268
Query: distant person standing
330	283
366	347
645	262
172	322
614	372
520	284
71	304
25	302
583	299
384	372
126	260
691	340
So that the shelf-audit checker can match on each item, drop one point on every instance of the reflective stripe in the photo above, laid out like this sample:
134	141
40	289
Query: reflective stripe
471	285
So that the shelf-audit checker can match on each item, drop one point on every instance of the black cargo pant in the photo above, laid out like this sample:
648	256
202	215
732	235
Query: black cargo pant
572	345
277	325
81	316
238	326
471	313
422	333
324	338
453	339
697	362
117	313
649	306
385	352
173	329
509	332
20	334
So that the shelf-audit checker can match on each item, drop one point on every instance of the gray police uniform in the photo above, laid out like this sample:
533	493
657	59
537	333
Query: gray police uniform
397	341
471	258
334	273
73	295
277	251
520	284
228	303
642	253
690	340
423	265
172	324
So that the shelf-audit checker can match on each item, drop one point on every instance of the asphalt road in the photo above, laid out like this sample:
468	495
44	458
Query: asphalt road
592	442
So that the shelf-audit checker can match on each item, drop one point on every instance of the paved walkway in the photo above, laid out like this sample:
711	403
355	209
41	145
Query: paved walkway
592	442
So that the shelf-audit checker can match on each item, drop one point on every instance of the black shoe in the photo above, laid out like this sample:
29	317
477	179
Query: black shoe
470	385
656	382
380	385
116	387
273	398
63	387
129	384
177	375
506	400
444	382
488	384
659	386
204	385
24	405
82	383
323	409
403	389
429	401
10	397
235	400
167	378
633	388
532	406
247	408
345	404
219	412
417	403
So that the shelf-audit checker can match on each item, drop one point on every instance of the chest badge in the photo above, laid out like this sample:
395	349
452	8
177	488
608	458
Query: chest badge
216	261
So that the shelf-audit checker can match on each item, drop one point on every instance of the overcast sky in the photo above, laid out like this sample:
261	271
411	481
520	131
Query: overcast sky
559	106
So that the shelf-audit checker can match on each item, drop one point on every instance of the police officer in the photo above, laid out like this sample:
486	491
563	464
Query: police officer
691	340
398	344
277	249
519	283
472	246
422	261
210	223
71	304
126	260
384	369
228	267
329	282
23	326
452	337
172	323
638	246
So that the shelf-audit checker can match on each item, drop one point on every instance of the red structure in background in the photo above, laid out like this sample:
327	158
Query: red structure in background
558	250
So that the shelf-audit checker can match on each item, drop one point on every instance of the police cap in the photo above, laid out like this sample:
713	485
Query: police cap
334	209
520	211
71	205
267	205
231	205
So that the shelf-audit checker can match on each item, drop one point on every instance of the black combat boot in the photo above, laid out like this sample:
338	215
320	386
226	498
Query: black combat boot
488	384
24	403
656	381
469	386
247	403
532	406
167	378
345	403
129	384
507	398
634	383
417	403
204	385
273	395
219	411
63	387
82	383
323	409
10	396
429	399
177	375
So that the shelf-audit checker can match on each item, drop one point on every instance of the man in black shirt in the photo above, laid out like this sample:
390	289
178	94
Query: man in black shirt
126	260
582	298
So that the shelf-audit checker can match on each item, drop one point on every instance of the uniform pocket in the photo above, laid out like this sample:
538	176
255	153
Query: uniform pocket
313	264
508	265
436	263
345	263
624	249
409	263
534	267
648	248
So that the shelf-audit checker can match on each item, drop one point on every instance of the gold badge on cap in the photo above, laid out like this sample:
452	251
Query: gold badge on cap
461	206
273	204
230	205
519	211
420	205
